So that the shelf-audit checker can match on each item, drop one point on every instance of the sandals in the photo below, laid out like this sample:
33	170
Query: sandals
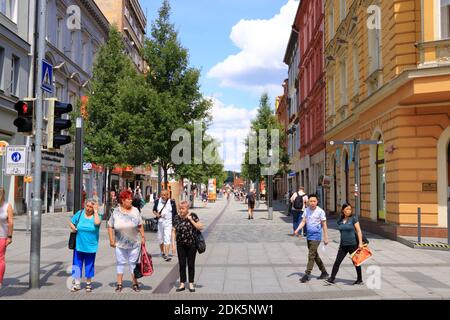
119	287
88	287
136	287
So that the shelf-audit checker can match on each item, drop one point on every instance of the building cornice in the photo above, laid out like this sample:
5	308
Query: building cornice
97	14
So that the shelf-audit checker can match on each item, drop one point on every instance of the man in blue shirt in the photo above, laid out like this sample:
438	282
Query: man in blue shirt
316	221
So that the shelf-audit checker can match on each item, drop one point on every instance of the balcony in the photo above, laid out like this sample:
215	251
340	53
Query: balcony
434	53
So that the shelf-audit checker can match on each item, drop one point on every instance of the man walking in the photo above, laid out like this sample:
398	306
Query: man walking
299	201
251	203
165	210
316	221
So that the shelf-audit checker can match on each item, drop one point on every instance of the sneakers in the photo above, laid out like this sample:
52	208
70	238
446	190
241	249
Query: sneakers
304	279
167	258
324	275
358	282
75	287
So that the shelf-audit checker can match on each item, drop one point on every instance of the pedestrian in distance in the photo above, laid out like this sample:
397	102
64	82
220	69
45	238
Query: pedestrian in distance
6	231
185	225
299	201
315	219
251	203
204	199
86	223
126	235
165	209
351	240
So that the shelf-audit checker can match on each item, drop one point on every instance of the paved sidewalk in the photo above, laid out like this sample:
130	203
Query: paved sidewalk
245	259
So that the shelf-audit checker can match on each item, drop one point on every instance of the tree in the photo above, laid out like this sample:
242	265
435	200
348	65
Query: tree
179	101
110	117
265	119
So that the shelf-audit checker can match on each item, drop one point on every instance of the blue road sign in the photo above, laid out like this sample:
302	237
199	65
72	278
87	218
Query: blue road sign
16	157
47	77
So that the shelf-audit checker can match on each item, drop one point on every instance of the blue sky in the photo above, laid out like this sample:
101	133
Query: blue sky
239	47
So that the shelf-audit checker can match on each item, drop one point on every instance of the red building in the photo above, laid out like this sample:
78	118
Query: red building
309	23
280	182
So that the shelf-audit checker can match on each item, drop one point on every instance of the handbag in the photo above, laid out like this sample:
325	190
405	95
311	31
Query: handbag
73	235
200	243
159	213
361	255
144	264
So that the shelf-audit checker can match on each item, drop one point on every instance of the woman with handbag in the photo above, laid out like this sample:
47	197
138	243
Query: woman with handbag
127	238
348	226
86	224
186	225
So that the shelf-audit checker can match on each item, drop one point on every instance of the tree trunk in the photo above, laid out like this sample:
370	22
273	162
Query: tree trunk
106	214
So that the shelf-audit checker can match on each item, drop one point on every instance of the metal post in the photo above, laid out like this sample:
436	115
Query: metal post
78	165
419	233
35	245
357	178
269	194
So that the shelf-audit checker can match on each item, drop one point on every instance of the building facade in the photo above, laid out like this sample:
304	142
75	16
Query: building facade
281	182
292	96
131	22
71	49
388	80
311	108
15	63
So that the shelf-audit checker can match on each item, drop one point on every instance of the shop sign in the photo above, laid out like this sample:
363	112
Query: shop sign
429	186
52	158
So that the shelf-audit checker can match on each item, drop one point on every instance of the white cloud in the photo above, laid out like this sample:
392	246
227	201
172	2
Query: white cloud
230	127
259	66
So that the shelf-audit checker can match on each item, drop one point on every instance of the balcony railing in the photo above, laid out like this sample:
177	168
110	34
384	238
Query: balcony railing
434	53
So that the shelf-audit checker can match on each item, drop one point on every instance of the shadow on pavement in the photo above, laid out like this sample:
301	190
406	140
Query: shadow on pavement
129	284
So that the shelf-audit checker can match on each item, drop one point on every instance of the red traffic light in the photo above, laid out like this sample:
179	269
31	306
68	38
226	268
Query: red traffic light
24	108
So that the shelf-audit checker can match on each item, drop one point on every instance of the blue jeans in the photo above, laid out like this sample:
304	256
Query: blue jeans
297	219
77	268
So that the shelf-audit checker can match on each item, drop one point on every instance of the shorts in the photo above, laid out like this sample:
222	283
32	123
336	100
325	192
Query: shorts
164	232
251	205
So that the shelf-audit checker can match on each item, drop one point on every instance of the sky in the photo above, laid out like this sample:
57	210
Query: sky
239	46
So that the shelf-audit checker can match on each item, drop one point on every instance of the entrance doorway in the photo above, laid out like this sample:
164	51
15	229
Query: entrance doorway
381	182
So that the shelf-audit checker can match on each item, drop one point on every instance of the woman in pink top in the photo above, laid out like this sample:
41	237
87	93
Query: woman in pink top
6	231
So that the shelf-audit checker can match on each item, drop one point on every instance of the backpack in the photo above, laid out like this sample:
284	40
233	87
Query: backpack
299	203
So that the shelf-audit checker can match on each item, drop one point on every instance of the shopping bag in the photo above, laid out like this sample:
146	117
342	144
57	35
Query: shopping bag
361	255
146	262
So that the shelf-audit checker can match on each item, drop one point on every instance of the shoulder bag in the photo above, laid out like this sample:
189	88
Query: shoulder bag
73	235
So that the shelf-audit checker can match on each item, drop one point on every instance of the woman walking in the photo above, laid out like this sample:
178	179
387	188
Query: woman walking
6	231
185	225
86	223
348	225
126	221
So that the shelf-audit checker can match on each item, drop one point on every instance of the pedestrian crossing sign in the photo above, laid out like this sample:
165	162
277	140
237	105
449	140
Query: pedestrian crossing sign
47	77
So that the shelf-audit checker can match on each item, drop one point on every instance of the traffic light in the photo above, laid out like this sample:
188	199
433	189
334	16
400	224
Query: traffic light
55	124
24	122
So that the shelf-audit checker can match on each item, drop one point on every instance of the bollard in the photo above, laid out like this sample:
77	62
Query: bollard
419	235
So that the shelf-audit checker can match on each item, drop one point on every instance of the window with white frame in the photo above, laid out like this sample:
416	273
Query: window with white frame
342	9
374	43
59	32
445	18
14	79
84	51
343	84
9	9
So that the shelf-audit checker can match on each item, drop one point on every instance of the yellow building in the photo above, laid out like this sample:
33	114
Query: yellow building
388	79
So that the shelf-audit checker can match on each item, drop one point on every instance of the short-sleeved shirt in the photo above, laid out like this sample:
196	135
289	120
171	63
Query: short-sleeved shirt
126	227
87	232
166	213
314	223
185	230
348	237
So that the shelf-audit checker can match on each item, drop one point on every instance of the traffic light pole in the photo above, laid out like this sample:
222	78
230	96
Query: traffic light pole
35	245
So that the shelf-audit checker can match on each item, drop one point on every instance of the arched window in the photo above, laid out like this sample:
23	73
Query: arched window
381	182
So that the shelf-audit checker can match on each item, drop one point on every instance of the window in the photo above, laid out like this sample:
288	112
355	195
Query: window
343	84
2	62
59	33
72	96
374	50
331	108
84	52
58	90
445	19
14	84
72	45
342	9
331	21
9	9
355	70
298	138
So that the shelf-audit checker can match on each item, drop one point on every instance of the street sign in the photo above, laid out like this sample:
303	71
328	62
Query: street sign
47	77
87	166
16	160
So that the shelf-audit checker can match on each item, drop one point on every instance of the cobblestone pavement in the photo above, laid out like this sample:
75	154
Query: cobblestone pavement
245	259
